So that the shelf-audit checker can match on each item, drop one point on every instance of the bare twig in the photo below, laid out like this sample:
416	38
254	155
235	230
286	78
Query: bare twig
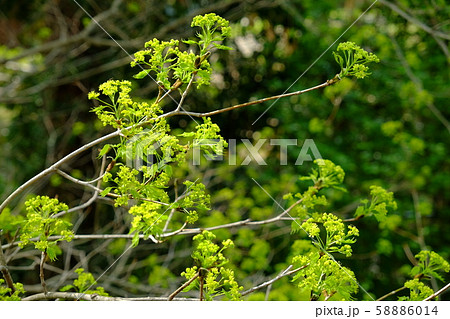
41	271
172	211
183	96
202	281
230	108
94	297
54	167
187	283
391	293
437	293
5	272
286	272
419	224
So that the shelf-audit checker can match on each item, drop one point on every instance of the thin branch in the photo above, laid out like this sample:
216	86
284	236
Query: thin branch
201	286
409	254
391	293
172	211
230	108
55	166
5	272
286	272
183	96
78	181
276	218
246	222
41	271
187	283
95	297
181	230
93	198
97	189
419	224
437	293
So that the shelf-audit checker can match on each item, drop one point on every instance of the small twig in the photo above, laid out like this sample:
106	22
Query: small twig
278	217
41	271
275	97
348	220
391	293
92	199
286	272
409	254
201	285
5	272
183	96
187	283
91	237
269	287
328	296
94	297
50	170
437	293
76	180
172	211
246	222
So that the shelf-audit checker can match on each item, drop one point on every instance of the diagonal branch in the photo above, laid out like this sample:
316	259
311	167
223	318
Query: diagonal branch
4	270
230	108
187	283
286	272
93	297
437	293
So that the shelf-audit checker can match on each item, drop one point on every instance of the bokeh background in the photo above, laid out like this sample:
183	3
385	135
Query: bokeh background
391	129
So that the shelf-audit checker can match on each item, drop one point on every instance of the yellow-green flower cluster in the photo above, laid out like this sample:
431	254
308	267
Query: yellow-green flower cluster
418	291
41	223
323	276
353	60
211	22
338	237
218	280
378	206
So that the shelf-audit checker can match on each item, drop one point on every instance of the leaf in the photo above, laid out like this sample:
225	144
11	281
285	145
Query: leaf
192	285
66	288
338	59
168	170
106	191
135	240
359	211
190	42
141	75
222	47
104	150
187	134
52	251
